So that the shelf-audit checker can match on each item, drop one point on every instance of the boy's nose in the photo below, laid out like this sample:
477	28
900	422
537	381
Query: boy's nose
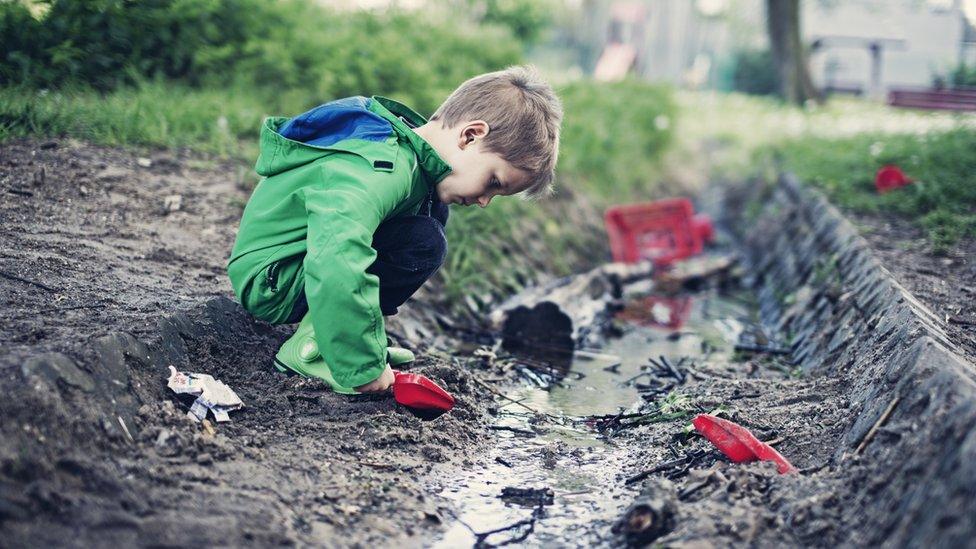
483	201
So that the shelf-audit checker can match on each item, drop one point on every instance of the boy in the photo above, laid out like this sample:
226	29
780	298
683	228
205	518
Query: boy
349	220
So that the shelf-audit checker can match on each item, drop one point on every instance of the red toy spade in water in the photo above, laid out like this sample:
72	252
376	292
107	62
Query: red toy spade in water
420	394
890	177
737	443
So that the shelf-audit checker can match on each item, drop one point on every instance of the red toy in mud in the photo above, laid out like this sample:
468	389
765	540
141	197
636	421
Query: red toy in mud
737	443
420	393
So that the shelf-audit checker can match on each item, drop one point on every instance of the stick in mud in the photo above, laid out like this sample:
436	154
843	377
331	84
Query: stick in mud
686	459
508	398
515	430
9	276
530	522
761	349
877	425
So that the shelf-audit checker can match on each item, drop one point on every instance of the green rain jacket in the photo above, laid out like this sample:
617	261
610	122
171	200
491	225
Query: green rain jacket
331	176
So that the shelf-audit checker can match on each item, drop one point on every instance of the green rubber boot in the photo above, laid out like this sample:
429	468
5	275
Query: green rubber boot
397	356
300	354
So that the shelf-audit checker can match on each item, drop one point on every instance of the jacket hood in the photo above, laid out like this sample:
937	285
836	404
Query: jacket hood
368	127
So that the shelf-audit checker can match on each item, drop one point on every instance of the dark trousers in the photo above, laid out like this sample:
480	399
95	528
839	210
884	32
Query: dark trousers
409	250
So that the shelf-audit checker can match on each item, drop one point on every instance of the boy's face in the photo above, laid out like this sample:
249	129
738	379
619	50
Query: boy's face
477	176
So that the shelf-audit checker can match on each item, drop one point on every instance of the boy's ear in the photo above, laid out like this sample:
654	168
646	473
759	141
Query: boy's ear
471	131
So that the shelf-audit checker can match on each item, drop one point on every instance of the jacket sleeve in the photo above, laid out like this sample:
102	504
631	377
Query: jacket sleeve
343	299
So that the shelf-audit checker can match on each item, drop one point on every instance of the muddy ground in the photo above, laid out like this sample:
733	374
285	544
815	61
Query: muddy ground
944	281
106	283
90	250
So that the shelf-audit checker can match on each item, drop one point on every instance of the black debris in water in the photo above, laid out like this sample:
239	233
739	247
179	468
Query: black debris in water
528	497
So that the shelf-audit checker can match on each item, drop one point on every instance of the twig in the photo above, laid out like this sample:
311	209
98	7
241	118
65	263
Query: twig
761	349
519	401
368	463
515	430
503	461
125	431
530	522
877	424
666	465
632	378
814	468
673	369
20	192
508	398
59	309
25	281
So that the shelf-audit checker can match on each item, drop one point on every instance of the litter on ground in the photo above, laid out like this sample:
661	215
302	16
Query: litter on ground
212	395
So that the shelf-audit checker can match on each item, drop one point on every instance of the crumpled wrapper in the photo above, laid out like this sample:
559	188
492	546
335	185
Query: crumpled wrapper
212	395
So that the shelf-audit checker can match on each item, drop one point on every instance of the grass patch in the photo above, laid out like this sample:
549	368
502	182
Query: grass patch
837	147
223	122
942	200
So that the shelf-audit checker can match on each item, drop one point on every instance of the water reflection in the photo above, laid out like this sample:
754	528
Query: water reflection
656	311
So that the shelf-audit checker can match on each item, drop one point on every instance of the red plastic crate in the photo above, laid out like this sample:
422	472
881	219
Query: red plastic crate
703	226
662	231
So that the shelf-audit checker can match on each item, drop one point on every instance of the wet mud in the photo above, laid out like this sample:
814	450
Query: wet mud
105	288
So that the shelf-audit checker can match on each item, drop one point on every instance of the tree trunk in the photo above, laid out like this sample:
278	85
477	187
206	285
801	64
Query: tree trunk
783	24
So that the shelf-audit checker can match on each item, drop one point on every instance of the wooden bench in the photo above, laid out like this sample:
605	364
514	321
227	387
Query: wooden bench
952	100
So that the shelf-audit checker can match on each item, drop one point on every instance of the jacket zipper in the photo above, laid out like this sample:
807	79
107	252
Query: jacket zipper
271	279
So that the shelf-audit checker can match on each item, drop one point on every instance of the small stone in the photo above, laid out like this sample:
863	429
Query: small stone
112	174
144	162
173	203
168	407
205	458
163	438
47	145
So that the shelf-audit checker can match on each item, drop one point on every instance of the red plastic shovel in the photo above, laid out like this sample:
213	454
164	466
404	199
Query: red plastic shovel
417	392
737	443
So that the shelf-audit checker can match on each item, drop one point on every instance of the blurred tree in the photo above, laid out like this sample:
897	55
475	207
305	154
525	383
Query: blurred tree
789	56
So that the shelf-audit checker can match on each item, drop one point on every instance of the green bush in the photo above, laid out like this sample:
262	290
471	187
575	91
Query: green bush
942	200
963	76
158	113
754	73
289	47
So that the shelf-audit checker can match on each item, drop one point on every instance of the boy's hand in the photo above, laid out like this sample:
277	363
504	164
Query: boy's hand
379	384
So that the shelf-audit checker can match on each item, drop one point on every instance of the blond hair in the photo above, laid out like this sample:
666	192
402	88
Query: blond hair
523	114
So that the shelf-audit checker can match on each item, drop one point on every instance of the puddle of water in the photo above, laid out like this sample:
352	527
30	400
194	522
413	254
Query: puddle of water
583	470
